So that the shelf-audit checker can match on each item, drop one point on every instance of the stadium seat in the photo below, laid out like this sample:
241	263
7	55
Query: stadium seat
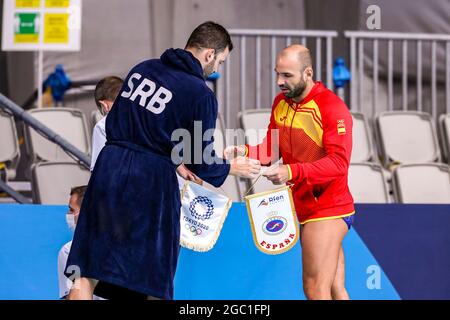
407	137
255	123
9	145
444	125
367	183
68	123
255	119
362	140
51	181
422	183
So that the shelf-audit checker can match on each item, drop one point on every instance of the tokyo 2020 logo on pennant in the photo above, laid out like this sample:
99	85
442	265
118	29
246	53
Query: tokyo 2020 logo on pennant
203	203
273	220
203	213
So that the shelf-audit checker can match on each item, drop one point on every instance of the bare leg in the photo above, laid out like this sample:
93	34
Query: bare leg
338	291
82	289
321	244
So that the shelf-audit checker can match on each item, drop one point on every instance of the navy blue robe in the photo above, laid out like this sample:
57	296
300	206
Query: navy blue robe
129	225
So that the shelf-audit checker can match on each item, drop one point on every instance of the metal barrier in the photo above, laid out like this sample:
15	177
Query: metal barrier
47	133
320	43
44	131
418	40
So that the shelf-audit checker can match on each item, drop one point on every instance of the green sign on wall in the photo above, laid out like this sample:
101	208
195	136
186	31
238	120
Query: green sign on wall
26	27
41	25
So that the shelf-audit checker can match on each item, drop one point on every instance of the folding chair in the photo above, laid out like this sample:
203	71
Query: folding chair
68	123
51	181
444	125
407	137
9	145
367	183
362	140
422	183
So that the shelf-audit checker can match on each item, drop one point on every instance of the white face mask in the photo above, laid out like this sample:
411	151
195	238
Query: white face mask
70	219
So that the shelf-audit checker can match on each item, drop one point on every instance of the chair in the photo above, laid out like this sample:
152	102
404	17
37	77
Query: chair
68	123
9	144
362	140
255	123
51	181
367	183
255	120
444	126
422	183
407	137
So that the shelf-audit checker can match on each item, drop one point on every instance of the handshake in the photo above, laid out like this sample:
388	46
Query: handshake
249	168
240	165
244	167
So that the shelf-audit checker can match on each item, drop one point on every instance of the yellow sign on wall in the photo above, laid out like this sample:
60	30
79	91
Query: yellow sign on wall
28	3
43	25
57	3
56	28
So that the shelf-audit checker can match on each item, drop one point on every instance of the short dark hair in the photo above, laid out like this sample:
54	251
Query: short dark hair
79	191
107	89
210	35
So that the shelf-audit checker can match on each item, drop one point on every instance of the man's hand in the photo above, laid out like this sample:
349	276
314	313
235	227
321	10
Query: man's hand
245	167
232	152
278	175
187	174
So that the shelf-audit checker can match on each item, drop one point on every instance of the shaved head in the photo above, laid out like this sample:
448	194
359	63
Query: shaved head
294	72
298	53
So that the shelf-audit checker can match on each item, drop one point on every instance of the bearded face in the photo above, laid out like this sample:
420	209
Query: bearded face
294	74
293	90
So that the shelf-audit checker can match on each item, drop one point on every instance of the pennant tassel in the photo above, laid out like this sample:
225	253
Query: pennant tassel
203	213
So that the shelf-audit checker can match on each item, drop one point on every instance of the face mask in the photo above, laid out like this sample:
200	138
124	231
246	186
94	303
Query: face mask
70	219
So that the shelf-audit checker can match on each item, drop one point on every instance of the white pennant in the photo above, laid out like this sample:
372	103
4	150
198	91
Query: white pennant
203	213
273	220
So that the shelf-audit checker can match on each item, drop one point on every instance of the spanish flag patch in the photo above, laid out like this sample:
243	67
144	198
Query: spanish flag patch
341	127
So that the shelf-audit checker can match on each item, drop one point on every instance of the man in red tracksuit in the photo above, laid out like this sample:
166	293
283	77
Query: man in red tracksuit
312	129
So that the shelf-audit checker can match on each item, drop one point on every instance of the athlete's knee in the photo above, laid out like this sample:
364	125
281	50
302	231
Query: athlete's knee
338	286
338	292
316	289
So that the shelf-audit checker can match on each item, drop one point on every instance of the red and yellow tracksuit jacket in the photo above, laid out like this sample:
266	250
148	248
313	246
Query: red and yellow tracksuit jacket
314	138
